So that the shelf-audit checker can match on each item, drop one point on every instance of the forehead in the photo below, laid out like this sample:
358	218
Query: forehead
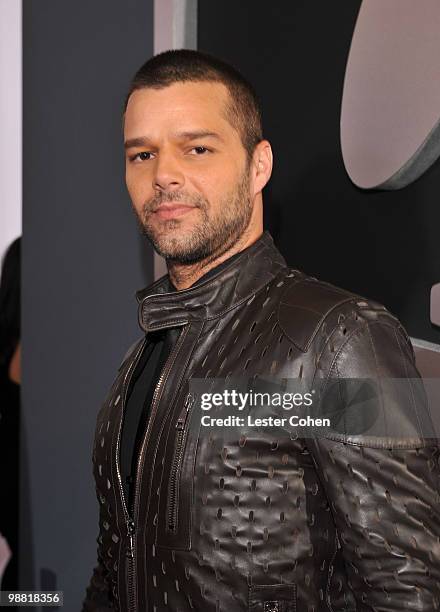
199	104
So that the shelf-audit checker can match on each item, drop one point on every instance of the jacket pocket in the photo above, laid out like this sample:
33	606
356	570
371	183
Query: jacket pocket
175	504
272	598
172	511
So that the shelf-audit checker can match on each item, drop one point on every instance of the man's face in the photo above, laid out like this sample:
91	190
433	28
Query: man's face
186	170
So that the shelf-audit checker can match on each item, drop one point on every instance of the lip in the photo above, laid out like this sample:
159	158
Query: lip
166	211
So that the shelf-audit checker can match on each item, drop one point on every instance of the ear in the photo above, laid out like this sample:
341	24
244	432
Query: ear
262	162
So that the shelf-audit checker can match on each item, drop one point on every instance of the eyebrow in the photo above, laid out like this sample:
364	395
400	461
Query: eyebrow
142	141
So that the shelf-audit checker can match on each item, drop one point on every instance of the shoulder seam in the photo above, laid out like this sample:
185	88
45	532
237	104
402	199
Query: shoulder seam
343	297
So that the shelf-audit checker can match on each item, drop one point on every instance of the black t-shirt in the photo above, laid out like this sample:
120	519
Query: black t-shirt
141	389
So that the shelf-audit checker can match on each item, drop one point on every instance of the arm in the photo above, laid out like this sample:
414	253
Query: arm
384	491
99	597
14	371
98	592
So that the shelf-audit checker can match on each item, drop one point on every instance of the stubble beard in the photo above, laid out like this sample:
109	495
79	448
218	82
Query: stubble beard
212	236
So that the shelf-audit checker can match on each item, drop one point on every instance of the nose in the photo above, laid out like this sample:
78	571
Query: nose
167	173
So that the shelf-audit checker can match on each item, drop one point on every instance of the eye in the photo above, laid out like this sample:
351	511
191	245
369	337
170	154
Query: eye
200	150
142	156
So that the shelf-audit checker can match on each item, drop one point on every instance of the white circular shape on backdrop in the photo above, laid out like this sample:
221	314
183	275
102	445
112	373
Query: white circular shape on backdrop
390	116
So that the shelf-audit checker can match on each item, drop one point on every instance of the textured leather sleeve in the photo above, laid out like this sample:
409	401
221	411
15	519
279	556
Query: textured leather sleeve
384	493
98	592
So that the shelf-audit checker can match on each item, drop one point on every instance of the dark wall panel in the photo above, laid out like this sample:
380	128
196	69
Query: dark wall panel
83	259
382	245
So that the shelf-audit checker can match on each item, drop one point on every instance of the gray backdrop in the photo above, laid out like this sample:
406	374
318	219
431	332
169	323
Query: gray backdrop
83	259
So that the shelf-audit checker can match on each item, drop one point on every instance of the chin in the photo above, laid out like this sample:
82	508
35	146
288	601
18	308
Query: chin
183	251
172	245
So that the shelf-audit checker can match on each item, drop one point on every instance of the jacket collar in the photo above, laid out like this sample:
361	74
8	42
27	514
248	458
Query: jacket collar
253	269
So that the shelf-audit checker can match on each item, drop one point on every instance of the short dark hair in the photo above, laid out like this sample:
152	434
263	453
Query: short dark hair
243	111
10	302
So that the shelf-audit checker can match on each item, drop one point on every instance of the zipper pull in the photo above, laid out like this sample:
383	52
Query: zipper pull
181	421
130	531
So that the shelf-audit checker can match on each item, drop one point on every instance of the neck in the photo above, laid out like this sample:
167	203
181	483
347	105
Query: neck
184	275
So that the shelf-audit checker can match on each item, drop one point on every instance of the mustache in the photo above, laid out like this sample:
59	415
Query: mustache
153	203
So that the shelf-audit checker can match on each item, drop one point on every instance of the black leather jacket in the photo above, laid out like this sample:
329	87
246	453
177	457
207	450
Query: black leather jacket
332	523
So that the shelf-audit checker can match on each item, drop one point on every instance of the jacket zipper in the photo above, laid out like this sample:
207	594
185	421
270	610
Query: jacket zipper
130	565
173	487
129	522
131	519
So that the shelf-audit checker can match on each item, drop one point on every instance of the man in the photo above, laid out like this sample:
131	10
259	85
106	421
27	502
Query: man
201	521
